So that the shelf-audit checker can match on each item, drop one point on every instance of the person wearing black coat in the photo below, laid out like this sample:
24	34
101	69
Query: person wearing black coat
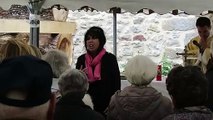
71	107
73	85
101	68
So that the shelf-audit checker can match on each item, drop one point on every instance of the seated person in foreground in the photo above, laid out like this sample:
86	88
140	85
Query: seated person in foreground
73	85
188	88
139	101
25	89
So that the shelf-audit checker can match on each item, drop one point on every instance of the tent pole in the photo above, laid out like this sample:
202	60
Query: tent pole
115	10
34	36
34	7
34	29
115	33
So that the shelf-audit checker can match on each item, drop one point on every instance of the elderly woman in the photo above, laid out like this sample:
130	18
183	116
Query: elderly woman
73	85
139	101
188	88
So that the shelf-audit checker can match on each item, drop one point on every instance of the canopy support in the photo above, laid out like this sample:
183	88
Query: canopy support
115	10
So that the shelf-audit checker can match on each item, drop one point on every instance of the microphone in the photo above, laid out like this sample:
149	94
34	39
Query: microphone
199	46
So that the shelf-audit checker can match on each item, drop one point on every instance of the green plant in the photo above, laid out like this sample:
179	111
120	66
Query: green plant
166	66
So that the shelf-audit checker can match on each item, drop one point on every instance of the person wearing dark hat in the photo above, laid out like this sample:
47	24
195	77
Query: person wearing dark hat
101	68
25	89
139	101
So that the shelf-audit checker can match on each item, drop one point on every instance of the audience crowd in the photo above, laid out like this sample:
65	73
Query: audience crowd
38	85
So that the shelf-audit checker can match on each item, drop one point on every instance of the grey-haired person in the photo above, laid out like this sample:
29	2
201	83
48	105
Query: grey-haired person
73	85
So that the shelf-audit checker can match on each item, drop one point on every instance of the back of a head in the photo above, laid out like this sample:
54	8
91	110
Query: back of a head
140	70
73	80
25	85
203	21
187	86
14	48
58	60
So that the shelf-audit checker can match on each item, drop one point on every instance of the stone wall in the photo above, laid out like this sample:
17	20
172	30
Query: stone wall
157	36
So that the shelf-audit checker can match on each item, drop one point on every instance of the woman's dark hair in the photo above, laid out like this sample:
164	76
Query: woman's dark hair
188	86
96	32
203	21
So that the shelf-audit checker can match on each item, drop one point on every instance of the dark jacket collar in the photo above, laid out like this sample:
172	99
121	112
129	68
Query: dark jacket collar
72	98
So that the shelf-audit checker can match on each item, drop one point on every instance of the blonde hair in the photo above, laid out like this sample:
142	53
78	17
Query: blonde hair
23	37
13	48
140	70
36	50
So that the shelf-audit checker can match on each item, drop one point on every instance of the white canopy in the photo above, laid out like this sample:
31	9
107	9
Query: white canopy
160	6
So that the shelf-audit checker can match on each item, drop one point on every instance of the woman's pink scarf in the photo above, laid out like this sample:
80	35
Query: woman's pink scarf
94	63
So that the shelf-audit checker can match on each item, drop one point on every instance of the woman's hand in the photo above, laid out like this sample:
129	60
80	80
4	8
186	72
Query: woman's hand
84	69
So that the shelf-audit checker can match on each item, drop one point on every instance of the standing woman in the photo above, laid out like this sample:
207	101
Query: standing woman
101	68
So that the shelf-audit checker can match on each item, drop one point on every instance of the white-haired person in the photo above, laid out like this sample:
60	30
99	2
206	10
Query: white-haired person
139	101
25	89
73	85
